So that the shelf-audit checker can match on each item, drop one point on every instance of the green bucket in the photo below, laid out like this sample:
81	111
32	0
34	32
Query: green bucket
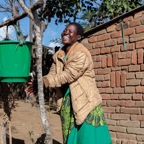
15	61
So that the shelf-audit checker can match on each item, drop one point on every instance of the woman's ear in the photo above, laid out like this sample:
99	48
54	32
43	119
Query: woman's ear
79	37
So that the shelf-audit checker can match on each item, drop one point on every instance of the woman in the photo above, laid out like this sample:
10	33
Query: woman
81	114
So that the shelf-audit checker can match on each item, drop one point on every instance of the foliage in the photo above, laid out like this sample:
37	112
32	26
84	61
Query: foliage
108	9
65	10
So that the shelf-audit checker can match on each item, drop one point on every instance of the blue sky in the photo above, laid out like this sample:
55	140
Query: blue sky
52	32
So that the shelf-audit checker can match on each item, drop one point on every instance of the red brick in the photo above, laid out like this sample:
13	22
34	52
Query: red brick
137	37
119	90
124	62
130	103
142	67
99	44
126	136
114	96
139	75
97	65
105	96
103	37
125	96
108	90
134	57
142	82
122	55
105	84
142	20
107	77
140	104
139	89
112	75
120	116
131	110
109	109
140	44
109	59
103	71
140	56
138	14
92	39
137	117
99	84
115	103
97	58
110	43
133	82
128	32
118	26
99	78
130	46
117	129
116	34
111	28
134	23
114	59
131	75
94	52
137	96
134	68
115	48
105	50
123	78
118	78
129	18
130	90
104	61
140	29
120	40
128	54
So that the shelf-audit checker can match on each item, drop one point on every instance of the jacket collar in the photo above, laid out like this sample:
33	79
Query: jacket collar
72	48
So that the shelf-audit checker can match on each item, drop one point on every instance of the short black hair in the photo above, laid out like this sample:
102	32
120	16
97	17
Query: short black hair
80	30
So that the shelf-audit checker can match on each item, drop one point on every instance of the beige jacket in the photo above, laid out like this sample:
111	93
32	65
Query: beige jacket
78	72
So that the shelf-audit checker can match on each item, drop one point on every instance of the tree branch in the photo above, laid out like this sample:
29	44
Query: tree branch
24	14
27	10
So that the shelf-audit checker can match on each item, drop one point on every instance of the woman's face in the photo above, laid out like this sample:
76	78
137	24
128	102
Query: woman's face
69	35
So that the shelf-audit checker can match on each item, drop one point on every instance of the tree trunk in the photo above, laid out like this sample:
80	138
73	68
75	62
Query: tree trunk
48	138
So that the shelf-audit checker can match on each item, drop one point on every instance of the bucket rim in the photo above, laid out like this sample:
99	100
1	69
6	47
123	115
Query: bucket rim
13	42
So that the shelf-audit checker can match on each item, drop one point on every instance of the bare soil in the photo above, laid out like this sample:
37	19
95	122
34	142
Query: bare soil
27	127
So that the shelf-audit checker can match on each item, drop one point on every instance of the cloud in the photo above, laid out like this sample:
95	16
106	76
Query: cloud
53	45
11	31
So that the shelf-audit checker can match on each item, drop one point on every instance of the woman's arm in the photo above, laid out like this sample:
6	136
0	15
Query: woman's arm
74	68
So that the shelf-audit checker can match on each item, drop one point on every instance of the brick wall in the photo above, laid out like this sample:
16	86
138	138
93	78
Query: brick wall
120	75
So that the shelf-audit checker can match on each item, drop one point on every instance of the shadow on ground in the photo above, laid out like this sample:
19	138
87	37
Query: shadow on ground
40	140
16	141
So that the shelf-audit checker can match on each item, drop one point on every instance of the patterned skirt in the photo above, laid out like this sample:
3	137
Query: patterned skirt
94	129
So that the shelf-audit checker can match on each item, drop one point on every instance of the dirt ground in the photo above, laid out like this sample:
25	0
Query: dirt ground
27	126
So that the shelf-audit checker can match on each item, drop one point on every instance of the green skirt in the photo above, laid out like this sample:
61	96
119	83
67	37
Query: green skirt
94	129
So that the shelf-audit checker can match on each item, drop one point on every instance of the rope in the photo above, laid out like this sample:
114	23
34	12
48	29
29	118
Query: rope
7	37
123	37
21	41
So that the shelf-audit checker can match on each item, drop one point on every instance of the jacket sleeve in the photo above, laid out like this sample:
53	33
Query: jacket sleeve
74	68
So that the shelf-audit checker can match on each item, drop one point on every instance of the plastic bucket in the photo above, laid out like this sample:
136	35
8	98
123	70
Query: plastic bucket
15	61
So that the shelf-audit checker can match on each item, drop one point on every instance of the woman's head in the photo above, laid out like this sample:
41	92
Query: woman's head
72	33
